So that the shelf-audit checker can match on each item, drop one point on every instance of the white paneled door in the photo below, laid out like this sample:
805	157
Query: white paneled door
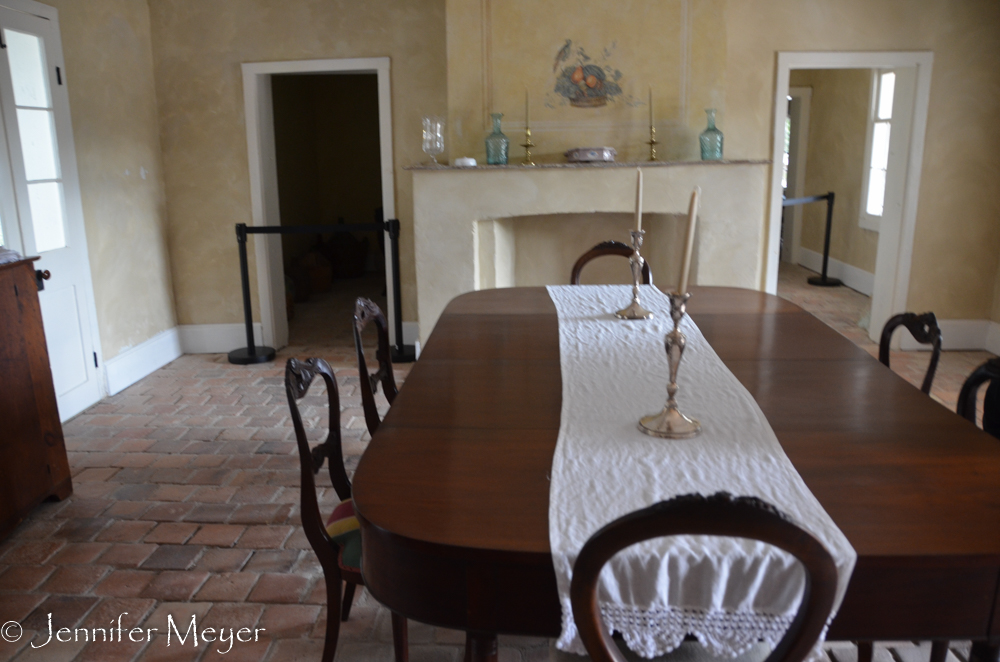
40	209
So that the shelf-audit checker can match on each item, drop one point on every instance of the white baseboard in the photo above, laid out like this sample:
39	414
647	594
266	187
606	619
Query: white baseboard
960	335
993	339
411	332
136	362
411	336
216	338
853	277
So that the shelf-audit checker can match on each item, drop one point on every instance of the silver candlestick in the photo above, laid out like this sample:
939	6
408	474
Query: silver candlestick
671	423
634	311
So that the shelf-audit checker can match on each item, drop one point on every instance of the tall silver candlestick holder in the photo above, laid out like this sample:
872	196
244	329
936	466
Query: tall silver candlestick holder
671	423
634	311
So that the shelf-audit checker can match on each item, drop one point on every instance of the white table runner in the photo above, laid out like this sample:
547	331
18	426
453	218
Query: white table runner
729	593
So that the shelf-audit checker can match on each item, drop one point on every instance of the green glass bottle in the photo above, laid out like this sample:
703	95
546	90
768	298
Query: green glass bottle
497	144
711	139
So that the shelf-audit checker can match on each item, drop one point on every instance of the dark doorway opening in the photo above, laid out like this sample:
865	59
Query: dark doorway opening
326	135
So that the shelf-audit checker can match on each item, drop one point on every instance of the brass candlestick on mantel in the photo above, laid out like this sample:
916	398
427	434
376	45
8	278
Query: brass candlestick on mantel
652	129
527	145
652	142
634	311
671	423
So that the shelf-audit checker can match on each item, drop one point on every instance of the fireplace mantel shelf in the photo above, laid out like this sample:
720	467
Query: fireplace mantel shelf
545	166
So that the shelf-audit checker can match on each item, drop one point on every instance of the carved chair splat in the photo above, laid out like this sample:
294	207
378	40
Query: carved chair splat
607	248
365	312
718	515
299	376
924	329
989	371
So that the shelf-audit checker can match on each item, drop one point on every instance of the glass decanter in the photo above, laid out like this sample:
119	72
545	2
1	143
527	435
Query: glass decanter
711	139
433	137
497	143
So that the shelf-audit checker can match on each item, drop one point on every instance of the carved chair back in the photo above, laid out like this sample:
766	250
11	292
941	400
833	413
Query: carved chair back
924	329
989	371
607	248
718	515
299	375
365	312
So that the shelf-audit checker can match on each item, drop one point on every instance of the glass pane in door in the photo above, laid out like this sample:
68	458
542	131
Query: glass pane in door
38	142
47	217
27	69
37	131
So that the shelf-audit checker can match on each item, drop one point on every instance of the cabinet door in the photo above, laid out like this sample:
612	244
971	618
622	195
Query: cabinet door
27	405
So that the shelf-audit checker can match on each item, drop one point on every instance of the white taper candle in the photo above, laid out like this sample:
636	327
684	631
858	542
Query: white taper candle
638	201
689	240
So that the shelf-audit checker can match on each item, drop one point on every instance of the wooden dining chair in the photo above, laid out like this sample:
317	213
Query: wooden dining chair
337	542
924	329
607	248
718	515
365	312
987	372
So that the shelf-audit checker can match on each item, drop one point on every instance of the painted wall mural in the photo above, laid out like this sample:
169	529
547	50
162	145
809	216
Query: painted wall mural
586	83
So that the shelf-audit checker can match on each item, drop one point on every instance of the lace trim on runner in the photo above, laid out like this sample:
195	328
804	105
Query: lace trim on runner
658	631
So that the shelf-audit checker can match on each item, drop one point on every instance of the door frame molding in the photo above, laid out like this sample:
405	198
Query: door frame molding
892	285
264	178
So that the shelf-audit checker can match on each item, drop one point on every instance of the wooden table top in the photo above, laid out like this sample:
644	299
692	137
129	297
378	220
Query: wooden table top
461	461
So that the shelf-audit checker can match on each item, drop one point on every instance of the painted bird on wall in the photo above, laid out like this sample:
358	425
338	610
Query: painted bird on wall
562	55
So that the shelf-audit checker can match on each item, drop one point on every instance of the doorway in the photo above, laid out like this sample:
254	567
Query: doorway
41	213
890	260
326	137
266	199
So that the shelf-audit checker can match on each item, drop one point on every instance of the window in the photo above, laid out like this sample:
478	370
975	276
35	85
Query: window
785	158
879	131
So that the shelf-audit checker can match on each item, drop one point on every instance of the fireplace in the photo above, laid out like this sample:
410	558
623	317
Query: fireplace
476	228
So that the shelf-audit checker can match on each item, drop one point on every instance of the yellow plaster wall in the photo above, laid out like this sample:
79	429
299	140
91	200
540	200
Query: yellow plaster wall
498	50
109	73
198	48
495	47
838	121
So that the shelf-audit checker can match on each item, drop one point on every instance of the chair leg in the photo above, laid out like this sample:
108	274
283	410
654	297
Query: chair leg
939	651
865	651
480	647
333	582
983	652
345	611
400	642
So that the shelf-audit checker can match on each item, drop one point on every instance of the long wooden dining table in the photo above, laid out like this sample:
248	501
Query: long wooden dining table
453	490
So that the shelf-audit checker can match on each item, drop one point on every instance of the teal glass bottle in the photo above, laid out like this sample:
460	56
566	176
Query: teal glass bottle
711	139
497	144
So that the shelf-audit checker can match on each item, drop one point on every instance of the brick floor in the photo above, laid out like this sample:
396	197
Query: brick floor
186	504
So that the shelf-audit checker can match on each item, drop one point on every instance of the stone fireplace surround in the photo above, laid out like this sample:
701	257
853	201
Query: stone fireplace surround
463	241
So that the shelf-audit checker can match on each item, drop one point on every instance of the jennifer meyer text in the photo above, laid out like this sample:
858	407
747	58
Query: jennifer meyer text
192	635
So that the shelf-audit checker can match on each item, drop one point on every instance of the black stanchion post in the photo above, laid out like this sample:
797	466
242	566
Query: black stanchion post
822	279
400	353
251	353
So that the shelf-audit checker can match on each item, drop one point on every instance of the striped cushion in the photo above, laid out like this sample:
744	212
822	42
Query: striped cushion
344	529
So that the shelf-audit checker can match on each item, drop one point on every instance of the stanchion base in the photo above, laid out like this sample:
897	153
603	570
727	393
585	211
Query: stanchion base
408	354
242	356
820	281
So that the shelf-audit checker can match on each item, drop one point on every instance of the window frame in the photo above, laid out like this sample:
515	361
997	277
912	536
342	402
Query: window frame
865	220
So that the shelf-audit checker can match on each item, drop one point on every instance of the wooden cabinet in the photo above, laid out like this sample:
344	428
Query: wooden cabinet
33	463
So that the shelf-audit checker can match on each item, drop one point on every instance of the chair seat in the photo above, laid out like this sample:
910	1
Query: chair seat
344	529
